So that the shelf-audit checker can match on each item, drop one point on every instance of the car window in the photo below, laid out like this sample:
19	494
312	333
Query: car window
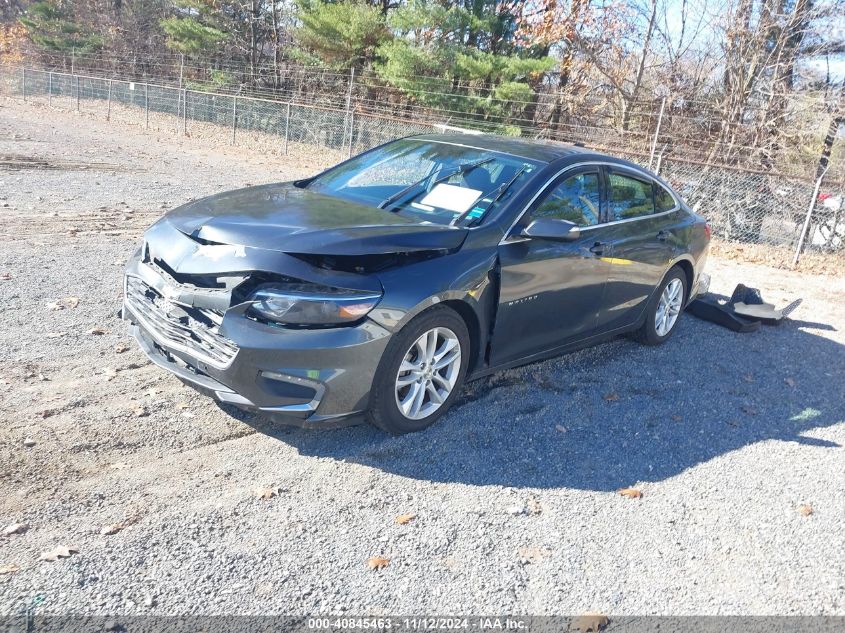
428	180
629	197
663	200
575	200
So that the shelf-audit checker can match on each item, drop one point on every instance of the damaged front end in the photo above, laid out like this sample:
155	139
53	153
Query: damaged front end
227	321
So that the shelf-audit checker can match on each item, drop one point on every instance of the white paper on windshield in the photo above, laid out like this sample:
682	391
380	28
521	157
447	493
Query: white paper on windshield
451	197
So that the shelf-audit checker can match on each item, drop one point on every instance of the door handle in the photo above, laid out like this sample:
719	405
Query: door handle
663	235
598	248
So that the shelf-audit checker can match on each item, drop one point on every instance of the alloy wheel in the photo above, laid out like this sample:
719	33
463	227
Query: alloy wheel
669	307
428	373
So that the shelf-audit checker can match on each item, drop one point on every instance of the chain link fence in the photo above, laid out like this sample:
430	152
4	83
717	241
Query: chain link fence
743	206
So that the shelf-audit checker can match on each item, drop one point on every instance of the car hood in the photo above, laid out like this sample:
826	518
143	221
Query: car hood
285	218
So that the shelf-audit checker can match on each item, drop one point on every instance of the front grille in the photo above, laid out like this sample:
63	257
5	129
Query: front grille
185	328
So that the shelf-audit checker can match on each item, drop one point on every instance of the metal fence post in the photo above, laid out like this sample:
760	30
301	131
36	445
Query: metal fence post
234	117
147	106
50	89
287	127
656	133
23	83
810	208
347	118
108	111
77	93
185	112
351	131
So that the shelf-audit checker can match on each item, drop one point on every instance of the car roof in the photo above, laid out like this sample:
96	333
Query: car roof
539	150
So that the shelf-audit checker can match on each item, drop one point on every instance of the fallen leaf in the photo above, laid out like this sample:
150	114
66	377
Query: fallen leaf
120	348
266	493
114	528
789	381
60	551
534	506
677	418
591	621
6	276
560	428
182	405
11	568
631	493
377	562
97	331
805	509
404	519
15	528
140	411
611	397
56	334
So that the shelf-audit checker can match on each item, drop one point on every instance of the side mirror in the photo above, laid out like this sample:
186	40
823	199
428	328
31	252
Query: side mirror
551	229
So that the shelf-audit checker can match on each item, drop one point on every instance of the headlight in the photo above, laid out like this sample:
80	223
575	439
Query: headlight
302	305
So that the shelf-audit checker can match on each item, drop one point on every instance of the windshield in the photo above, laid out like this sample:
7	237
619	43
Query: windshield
434	182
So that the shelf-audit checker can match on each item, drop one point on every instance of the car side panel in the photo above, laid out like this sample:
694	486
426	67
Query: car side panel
638	260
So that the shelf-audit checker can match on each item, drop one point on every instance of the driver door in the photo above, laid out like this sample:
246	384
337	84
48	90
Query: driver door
551	291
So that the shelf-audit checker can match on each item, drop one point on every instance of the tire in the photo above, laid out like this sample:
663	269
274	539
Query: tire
393	407
650	333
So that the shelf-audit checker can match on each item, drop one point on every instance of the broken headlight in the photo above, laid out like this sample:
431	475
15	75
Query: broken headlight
303	305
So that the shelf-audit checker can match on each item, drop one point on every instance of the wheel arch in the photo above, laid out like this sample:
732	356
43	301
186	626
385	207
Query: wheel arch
686	264
470	318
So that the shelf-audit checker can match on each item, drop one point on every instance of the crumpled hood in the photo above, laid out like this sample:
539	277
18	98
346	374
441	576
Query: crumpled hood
285	218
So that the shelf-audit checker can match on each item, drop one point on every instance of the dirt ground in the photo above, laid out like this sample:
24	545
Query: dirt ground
174	505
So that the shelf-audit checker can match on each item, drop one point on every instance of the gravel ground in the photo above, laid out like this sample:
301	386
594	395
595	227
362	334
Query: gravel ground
514	492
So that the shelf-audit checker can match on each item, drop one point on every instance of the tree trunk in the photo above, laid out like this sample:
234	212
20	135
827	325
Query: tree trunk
631	97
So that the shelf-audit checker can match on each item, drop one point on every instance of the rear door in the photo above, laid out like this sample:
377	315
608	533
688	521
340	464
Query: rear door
551	291
641	216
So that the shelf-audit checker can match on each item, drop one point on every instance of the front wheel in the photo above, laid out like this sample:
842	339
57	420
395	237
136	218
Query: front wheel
664	309
421	373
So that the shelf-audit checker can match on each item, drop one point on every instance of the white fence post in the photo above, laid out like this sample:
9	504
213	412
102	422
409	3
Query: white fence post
287	127
348	118
147	106
108	108
50	89
234	117
656	133
810	208
23	83
351	131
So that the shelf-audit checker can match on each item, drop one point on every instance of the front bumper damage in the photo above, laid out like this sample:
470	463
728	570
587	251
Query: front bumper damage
303	377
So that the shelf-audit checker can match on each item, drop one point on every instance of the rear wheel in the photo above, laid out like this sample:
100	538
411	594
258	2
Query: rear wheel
664	309
421	373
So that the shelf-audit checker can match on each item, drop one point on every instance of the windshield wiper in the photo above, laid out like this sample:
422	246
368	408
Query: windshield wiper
460	169
497	193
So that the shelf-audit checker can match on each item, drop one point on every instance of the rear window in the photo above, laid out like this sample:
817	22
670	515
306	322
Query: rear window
663	200
629	197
